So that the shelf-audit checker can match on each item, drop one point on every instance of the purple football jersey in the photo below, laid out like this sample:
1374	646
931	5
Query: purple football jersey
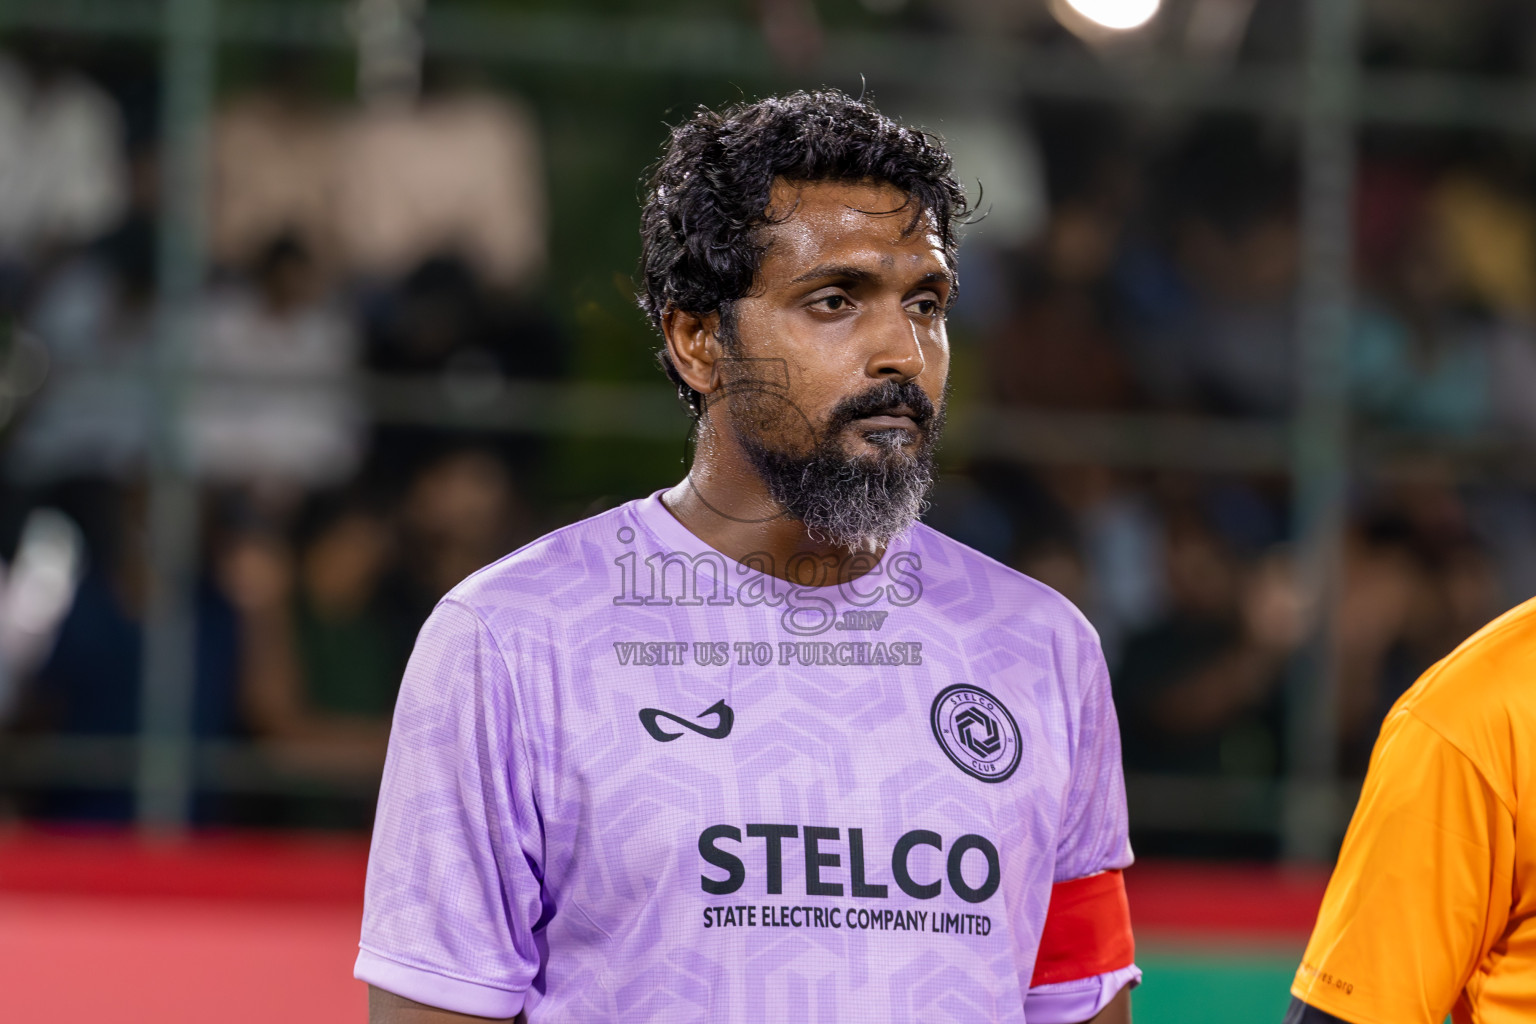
632	779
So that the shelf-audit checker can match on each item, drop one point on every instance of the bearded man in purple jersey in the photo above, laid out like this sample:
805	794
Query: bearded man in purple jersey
761	747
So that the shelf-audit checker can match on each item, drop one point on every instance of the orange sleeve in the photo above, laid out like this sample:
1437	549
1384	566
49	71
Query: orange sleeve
1087	930
1414	902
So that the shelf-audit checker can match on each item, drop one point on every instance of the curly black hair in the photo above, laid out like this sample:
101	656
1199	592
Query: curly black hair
707	197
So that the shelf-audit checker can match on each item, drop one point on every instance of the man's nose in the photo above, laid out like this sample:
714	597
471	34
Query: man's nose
896	349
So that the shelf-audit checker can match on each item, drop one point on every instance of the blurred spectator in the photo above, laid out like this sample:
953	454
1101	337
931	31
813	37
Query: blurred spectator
1079	530
321	652
1124	559
1415	583
1488	230
435	313
1382	592
96	318
1017	516
1239	346
37	590
381	190
275	407
1058	348
91	683
272	166
441	320
1199	691
960	507
1512	380
1502	515
461	513
460	173
1217	335
1419	358
442	317
63	173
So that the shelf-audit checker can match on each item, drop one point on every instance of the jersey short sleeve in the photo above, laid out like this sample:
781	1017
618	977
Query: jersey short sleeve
1094	832
453	891
1087	953
1421	889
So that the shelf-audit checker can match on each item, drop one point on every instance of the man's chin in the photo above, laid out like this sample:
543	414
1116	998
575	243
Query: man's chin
857	489
883	446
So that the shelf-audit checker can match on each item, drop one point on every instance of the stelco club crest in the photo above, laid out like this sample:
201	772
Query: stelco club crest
976	731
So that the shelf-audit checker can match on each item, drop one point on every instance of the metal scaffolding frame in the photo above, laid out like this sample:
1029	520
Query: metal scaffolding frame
1320	442
164	771
1327	95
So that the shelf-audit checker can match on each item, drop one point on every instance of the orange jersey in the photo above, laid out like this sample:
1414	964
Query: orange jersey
1432	907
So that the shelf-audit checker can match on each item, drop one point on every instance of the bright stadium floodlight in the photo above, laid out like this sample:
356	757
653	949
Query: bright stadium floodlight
1116	14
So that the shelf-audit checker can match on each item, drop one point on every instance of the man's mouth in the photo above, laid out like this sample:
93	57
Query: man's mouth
899	418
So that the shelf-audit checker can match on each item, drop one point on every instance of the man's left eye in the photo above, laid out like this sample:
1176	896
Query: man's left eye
926	307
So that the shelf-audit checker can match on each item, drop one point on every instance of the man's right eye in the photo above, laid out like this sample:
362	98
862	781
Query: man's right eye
831	303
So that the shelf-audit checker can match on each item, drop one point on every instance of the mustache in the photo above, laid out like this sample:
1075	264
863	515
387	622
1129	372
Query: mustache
884	399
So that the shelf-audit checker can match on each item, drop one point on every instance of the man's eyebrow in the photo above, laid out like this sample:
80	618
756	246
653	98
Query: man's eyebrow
849	272
846	271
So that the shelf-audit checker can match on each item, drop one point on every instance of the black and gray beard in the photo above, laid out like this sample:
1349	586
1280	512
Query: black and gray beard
859	503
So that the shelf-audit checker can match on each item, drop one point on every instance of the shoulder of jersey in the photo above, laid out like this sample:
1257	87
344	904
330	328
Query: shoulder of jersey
1491	675
1027	595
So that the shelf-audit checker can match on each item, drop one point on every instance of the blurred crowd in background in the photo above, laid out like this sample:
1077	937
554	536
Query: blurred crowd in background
342	243
1165	282
1128	266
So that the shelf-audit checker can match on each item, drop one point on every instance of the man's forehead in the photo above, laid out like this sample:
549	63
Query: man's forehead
812	220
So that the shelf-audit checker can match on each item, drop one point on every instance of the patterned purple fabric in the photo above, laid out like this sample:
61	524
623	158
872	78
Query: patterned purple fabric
631	779
1071	1002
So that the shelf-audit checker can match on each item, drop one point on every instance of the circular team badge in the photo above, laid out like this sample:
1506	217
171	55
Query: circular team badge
976	731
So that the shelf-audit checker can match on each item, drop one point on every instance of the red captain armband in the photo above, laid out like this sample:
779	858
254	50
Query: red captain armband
1087	930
